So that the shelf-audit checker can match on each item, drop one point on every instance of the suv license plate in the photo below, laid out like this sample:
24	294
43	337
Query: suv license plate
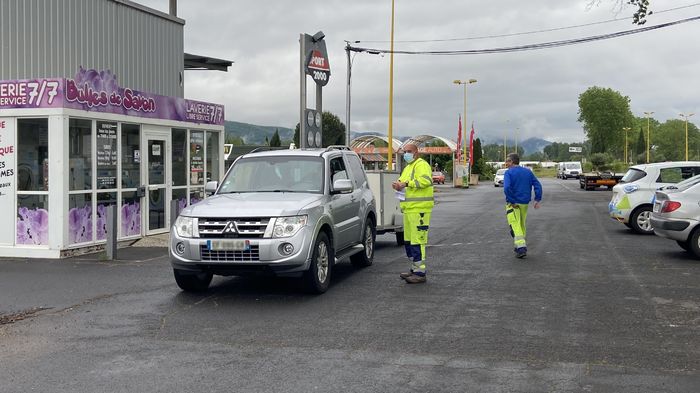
228	245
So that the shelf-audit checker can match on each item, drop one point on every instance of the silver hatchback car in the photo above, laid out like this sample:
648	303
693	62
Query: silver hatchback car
281	212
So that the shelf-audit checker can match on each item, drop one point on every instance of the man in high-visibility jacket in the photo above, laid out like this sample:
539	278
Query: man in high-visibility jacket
518	183
417	182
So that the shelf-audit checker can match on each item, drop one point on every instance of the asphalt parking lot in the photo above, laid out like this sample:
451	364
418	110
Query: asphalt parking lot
593	308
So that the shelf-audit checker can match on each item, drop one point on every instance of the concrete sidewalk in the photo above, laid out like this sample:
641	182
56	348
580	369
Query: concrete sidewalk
35	285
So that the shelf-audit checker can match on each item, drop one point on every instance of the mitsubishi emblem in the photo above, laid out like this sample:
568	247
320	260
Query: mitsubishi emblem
230	227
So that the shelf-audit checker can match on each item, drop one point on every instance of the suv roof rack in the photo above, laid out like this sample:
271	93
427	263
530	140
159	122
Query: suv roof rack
338	147
266	148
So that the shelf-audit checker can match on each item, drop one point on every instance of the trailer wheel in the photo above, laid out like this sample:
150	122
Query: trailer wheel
399	238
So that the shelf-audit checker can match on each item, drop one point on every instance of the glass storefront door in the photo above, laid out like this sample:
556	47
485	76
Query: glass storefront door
157	178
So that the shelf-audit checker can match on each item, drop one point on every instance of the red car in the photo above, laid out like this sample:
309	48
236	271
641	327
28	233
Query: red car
438	177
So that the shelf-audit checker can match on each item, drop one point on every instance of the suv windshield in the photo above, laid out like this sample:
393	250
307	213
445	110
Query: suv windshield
633	175
275	174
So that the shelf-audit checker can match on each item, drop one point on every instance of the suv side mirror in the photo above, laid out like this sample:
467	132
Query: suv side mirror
211	187
342	186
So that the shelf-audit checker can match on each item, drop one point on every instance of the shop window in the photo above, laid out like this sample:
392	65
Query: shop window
80	154
197	158
130	215
80	218
179	157
105	200
32	155
156	162
213	156
196	195
180	195
106	156
32	219
131	156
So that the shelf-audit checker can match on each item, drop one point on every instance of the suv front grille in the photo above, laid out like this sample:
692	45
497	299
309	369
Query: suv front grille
252	255
222	228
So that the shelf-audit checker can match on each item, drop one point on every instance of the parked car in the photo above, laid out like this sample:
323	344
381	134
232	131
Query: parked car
676	214
498	179
632	198
282	212
438	177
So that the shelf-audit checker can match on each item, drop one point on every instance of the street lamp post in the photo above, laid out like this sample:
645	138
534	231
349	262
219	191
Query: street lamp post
391	93
686	132
465	83
648	134
626	129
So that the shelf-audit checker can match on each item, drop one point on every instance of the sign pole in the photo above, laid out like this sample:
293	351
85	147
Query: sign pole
302	87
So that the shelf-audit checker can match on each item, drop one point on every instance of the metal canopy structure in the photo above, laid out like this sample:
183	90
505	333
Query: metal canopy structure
196	62
367	141
421	139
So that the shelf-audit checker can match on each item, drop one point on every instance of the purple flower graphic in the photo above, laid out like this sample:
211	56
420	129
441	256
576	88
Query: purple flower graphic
80	224
98	80
131	219
32	226
102	221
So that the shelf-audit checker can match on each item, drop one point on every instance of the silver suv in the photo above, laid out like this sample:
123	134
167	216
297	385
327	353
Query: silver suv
281	212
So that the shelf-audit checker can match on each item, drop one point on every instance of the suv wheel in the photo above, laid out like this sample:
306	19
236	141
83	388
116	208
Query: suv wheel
192	282
365	258
399	238
319	274
641	220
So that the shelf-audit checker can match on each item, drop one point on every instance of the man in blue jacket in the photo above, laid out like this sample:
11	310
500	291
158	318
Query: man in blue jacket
518	183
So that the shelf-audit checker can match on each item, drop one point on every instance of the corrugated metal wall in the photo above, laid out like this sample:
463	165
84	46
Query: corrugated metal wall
53	38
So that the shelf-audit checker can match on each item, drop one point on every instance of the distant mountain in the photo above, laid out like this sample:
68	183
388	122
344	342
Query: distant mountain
255	135
534	145
530	145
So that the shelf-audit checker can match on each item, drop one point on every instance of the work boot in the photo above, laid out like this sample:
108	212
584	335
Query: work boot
415	279
521	252
406	275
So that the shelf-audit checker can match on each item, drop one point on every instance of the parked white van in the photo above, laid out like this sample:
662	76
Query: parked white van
569	169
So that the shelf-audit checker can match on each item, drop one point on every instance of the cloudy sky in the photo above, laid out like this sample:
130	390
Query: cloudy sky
535	92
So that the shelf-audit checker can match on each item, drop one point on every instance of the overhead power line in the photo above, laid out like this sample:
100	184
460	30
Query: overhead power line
522	33
520	48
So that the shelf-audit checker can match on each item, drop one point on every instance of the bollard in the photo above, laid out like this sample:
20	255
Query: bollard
111	246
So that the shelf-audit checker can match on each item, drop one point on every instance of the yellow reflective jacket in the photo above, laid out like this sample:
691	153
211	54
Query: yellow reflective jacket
419	191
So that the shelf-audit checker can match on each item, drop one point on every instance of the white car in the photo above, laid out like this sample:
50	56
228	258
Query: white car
676	214
498	179
632	198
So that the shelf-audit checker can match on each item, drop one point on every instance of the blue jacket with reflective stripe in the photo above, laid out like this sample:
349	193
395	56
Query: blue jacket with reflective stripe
518	183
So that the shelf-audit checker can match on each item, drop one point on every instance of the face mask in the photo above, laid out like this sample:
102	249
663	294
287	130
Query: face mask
408	157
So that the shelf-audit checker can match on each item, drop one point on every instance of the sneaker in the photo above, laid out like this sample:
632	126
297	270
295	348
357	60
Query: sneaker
521	252
406	275
414	279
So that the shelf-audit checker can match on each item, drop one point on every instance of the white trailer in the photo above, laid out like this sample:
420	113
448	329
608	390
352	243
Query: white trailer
389	216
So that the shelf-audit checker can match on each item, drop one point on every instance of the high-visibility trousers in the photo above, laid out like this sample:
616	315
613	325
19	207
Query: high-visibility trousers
415	237
517	215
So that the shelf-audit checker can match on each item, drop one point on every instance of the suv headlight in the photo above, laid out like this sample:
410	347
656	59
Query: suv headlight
288	226
184	226
630	188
